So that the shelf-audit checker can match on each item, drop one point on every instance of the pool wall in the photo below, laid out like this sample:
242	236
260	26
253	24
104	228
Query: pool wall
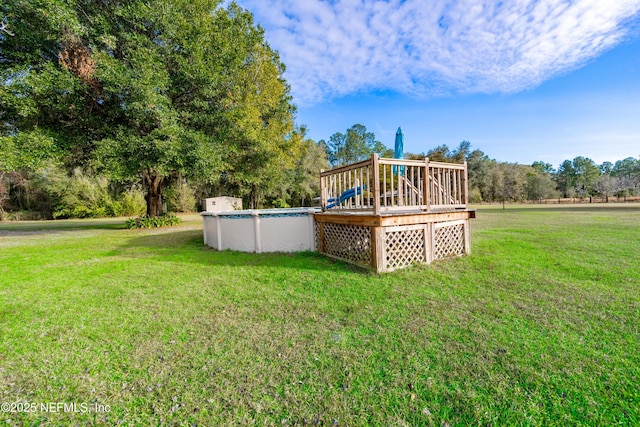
261	230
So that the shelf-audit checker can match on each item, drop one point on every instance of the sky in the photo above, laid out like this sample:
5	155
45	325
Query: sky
522	80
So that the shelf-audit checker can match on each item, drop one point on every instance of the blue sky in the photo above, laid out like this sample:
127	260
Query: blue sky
521	80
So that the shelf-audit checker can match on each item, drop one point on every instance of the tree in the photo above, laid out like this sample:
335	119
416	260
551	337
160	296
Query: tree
305	175
479	166
586	175
627	172
539	186
441	153
627	168
152	89
414	156
566	178
577	177
514	182
543	167
356	145
606	167
460	154
606	185
506	182
336	149
496	183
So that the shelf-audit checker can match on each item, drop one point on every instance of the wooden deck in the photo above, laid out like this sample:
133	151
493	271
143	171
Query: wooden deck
386	214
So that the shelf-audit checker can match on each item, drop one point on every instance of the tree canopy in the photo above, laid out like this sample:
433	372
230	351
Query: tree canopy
355	145
145	88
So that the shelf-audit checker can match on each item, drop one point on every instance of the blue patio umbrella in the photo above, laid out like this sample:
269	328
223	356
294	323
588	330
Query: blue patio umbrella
398	150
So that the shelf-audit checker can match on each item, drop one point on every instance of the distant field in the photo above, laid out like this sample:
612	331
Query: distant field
540	326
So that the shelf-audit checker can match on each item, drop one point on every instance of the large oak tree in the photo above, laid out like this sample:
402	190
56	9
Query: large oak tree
144	88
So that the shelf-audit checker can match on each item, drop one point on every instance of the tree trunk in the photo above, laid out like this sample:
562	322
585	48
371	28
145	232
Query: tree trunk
153	182
254	197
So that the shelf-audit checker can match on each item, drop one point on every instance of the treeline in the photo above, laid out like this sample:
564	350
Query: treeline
54	191
494	181
58	192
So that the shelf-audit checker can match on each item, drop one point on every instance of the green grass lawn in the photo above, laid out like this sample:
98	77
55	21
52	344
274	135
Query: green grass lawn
539	326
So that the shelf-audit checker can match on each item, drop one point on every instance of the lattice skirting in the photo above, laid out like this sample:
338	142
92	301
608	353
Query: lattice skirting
349	242
449	239
393	247
405	246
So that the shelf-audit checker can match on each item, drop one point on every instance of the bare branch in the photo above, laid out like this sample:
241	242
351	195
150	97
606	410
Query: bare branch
3	27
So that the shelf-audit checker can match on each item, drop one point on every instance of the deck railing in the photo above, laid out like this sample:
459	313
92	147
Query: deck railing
385	185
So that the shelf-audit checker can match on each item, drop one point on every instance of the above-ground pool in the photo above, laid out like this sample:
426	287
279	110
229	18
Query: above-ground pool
261	230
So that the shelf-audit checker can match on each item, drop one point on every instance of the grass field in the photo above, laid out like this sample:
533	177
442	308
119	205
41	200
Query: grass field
540	326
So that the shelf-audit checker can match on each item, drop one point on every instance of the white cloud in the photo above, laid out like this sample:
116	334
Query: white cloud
335	48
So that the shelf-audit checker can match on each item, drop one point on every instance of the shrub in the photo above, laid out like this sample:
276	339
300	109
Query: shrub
83	195
132	202
146	221
114	208
26	215
79	195
280	203
80	212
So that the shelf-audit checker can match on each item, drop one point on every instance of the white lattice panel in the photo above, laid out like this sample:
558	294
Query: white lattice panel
448	240
404	246
350	242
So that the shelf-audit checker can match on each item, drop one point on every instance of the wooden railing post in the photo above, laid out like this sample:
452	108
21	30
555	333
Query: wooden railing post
465	187
376	184
323	191
401	179
426	197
